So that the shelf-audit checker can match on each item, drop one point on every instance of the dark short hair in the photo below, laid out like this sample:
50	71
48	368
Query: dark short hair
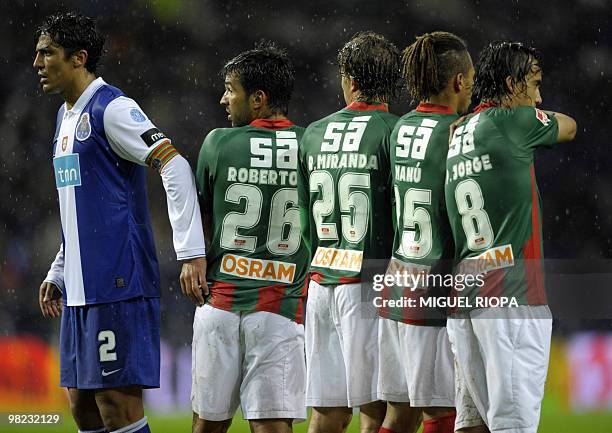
74	32
267	68
374	63
431	61
501	59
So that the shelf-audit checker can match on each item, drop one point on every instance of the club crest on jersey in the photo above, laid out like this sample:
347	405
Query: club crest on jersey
137	115
83	129
542	117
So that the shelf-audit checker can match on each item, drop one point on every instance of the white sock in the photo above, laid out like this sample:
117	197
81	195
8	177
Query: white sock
132	427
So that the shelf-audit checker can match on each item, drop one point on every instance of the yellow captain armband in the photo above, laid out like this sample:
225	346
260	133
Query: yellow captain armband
161	155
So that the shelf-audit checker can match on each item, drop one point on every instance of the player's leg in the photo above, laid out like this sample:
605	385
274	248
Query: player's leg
470	382
122	408
199	425
124	359
330	419
82	402
85	410
273	389
356	321
392	382
429	369
326	389
216	369
270	425
515	343
371	416
400	418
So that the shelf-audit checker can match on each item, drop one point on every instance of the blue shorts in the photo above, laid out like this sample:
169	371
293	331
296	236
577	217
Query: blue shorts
110	345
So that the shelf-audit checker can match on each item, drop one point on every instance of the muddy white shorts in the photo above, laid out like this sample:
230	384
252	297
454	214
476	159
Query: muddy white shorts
341	347
502	360
415	365
253	360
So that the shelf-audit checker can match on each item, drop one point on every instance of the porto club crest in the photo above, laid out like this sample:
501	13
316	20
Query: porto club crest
83	129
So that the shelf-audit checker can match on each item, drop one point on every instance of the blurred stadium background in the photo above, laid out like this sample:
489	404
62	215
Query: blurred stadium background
166	54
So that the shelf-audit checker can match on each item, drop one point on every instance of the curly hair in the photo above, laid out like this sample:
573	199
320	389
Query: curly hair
374	63
74	32
499	60
431	61
267	68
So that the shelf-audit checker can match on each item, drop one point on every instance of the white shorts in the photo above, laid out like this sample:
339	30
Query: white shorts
255	360
416	365
341	347
502	360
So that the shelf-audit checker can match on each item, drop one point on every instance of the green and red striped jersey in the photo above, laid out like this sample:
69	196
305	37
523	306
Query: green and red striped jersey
247	177
493	201
423	241
343	185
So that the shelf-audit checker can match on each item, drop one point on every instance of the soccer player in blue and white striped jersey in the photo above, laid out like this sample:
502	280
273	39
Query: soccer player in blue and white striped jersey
106	267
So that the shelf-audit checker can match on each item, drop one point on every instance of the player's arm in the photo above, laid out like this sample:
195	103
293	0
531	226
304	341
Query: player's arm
567	126
50	291
134	137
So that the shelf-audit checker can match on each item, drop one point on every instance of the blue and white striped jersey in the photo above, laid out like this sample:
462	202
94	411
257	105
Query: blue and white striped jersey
100	148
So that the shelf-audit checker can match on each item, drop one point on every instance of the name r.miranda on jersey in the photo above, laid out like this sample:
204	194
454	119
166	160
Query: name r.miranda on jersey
344	160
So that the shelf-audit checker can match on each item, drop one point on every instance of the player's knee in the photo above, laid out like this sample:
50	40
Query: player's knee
439	420
85	412
120	408
402	417
330	419
271	426
371	416
206	426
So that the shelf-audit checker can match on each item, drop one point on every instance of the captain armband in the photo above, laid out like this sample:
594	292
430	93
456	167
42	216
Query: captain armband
161	155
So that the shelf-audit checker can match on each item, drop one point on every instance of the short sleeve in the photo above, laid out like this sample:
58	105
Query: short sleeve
530	128
129	131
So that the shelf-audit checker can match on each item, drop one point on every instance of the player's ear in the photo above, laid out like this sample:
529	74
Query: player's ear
458	82
79	58
510	85
259	99
354	85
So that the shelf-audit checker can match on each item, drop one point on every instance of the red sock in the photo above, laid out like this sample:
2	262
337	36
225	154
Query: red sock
386	430
440	424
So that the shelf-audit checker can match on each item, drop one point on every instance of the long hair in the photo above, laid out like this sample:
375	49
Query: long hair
499	60
431	61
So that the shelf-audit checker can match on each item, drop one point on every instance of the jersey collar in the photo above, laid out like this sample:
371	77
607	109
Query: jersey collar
484	105
86	95
364	106
426	107
272	124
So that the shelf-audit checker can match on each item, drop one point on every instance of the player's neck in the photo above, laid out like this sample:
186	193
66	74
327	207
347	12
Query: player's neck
444	99
268	114
72	93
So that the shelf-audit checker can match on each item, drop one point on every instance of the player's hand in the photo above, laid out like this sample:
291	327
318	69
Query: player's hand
50	300
193	280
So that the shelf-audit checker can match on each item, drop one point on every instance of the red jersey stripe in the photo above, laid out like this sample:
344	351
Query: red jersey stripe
532	252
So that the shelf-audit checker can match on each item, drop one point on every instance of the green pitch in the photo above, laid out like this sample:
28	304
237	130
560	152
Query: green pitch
554	420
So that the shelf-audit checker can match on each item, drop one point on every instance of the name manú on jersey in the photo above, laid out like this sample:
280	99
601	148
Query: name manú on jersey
247	177
493	201
344	191
422	242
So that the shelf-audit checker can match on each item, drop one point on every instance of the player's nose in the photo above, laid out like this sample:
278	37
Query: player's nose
38	63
